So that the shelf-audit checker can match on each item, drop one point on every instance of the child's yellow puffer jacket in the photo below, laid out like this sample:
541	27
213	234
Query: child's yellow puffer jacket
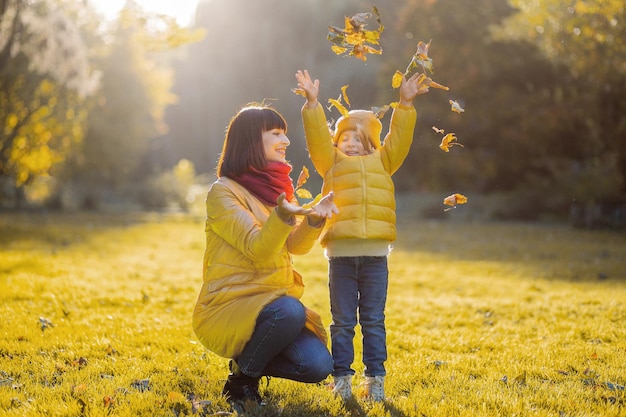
247	265
364	190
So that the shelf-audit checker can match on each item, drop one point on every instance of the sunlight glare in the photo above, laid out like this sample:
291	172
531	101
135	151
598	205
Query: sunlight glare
182	10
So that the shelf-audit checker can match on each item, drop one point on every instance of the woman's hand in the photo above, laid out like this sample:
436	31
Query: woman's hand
324	209
286	210
310	87
411	88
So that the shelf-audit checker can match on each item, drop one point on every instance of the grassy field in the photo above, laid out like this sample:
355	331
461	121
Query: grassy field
484	319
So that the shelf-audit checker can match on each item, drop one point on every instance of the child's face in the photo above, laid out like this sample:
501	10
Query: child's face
351	143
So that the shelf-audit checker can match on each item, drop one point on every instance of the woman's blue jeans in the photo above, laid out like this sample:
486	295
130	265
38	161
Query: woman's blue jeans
358	288
282	347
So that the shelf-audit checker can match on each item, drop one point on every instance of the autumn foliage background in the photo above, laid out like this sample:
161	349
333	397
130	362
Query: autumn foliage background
134	113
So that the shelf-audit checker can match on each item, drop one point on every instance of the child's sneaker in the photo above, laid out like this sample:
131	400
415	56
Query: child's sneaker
343	386
375	388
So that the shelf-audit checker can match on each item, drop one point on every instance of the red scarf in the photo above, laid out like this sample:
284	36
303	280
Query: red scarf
269	183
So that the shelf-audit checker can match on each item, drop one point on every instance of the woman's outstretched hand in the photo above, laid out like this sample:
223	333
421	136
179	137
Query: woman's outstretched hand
311	87
324	209
287	210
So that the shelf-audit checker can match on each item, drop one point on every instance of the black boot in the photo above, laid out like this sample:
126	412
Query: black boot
241	388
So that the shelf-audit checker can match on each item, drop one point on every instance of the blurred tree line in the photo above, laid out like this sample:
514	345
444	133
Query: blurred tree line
135	110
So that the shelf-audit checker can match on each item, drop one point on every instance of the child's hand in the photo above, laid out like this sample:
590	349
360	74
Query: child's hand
411	88
310	87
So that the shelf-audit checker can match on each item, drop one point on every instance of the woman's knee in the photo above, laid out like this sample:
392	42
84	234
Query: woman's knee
291	309
322	369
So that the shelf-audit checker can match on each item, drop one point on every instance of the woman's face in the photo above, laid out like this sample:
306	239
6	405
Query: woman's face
275	143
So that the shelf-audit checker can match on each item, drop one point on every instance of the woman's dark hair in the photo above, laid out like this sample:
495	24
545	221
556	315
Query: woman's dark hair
243	144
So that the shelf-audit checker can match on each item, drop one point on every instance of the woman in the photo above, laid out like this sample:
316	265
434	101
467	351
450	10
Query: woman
248	308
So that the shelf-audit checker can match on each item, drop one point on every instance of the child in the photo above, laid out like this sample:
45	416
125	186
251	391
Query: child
358	168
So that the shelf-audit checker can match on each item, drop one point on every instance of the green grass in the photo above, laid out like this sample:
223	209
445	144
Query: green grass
483	319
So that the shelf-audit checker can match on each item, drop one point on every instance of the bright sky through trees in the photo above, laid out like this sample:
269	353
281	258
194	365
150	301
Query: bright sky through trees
182	10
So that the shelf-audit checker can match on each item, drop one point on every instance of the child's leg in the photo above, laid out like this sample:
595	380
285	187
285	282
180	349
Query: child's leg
343	288
373	280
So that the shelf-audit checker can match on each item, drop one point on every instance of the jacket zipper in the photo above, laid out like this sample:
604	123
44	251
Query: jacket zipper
364	196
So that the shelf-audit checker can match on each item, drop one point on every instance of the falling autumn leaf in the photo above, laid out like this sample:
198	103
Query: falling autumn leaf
456	107
454	199
437	130
299	92
314	202
423	81
303	193
337	104
396	80
303	177
421	58
433	84
379	112
448	141
344	94
353	39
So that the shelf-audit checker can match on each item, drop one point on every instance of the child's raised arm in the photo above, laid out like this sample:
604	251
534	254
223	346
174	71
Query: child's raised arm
310	87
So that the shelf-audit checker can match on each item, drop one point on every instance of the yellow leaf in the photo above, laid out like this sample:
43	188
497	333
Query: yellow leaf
303	177
448	141
456	107
79	389
345	95
303	193
353	38
338	106
299	92
454	199
379	112
422	49
433	84
396	81
176	397
338	50
314	202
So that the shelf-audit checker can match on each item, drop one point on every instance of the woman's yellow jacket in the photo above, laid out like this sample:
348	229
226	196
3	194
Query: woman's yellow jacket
364	190
247	265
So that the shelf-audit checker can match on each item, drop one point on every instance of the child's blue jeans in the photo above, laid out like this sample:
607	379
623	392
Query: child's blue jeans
358	288
282	347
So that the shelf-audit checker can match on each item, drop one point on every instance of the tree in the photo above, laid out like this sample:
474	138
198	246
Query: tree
129	106
587	38
250	53
44	76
